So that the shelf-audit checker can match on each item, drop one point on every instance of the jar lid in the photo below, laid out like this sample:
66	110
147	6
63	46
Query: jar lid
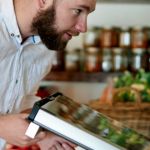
107	27
138	50
117	50
139	28
92	49
125	29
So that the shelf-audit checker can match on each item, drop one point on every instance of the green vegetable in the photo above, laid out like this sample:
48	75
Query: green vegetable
140	79
145	96
124	80
126	96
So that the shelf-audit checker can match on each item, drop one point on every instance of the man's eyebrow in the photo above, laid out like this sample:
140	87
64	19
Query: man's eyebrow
87	8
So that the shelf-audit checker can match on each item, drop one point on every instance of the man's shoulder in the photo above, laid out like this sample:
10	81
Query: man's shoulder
1	6
1	11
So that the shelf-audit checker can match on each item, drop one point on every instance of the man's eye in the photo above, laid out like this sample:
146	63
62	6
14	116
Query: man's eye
77	11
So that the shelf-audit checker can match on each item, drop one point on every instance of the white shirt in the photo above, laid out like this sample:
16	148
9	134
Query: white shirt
22	66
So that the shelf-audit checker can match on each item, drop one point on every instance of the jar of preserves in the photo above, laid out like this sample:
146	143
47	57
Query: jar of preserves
106	63
138	38
91	37
106	37
115	36
125	38
92	59
138	59
120	62
129	58
147	32
72	60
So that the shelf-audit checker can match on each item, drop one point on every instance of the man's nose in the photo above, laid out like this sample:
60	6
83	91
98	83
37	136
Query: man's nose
81	26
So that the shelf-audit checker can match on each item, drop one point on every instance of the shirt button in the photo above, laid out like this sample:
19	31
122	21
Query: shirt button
12	34
18	36
16	81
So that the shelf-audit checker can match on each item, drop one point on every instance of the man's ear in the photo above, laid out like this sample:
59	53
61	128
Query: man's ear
41	3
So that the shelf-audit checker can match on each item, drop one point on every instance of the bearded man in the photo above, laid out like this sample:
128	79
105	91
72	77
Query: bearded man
30	33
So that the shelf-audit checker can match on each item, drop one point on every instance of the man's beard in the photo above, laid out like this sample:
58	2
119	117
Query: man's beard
44	25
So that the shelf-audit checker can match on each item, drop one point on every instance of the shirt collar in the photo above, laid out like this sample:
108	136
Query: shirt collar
36	39
10	20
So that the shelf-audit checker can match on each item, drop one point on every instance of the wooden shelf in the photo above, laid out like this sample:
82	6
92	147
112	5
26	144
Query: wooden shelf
79	76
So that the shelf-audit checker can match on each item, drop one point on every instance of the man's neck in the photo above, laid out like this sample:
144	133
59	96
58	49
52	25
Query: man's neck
25	10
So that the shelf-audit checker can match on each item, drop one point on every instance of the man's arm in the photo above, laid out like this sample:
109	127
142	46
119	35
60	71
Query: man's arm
13	127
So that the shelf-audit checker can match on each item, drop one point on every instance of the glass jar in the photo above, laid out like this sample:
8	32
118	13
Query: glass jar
106	38
92	59
138	59
146	30
72	60
106	63
91	37
119	59
128	52
125	38
115	36
138	38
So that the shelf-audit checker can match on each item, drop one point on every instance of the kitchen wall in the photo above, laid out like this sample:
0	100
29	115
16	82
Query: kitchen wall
106	14
114	14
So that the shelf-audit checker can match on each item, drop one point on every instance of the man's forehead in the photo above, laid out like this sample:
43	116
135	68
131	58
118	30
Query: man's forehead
86	4
87	7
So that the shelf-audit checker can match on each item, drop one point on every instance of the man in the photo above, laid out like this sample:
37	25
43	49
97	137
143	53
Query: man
29	32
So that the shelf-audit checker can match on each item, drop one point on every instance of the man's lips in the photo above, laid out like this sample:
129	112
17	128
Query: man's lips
69	35
73	34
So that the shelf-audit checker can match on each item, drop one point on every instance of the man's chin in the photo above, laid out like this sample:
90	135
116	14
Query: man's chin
56	47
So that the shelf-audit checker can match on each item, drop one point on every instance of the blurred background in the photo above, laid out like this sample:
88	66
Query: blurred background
117	40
